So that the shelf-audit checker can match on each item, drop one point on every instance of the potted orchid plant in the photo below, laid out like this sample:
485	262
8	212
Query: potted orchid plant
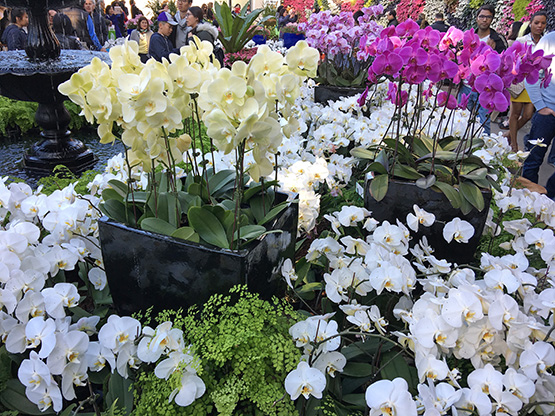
160	109
339	39
440	161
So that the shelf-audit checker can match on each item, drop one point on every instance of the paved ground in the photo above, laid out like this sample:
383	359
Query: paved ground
546	170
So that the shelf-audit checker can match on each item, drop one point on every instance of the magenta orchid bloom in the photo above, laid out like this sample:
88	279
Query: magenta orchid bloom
447	100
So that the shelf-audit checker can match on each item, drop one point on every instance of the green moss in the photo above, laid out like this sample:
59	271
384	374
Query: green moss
62	177
245	352
21	114
519	9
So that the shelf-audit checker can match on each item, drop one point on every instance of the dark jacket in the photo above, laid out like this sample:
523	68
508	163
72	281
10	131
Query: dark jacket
61	24
204	31
441	26
393	22
135	11
14	37
285	20
100	26
500	41
161	47
118	23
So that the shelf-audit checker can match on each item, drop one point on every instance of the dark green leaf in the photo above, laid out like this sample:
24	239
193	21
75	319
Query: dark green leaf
118	186
157	225
476	174
275	211
426	182
472	194
363	153
186	233
357	399
395	365
120	389
354	369
110	193
311	287
366	348
406	172
378	187
116	210
221	182
208	227
13	398
250	232
450	192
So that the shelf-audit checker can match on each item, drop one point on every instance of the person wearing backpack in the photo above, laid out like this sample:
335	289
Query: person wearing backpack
203	30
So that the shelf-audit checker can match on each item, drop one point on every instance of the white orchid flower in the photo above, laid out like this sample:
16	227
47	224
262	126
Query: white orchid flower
305	380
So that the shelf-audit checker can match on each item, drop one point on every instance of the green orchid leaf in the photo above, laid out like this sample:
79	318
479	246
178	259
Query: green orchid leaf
406	172
227	204
440	155
120	390
110	193
476	174
358	400
208	227
466	207
137	197
119	186
274	212
253	190
378	187
382	159
421	146
494	184
13	397
353	369
310	287
395	365
186	233
472	194
187	201
157	225
450	192
221	182
250	232
363	153
426	182
117	211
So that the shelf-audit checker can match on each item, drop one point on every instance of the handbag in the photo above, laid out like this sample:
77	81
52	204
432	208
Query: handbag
516	89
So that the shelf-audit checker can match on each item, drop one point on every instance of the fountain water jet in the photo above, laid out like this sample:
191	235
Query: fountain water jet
34	75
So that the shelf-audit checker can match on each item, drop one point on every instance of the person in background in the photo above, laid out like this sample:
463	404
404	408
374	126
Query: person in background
198	27
392	18
236	9
422	22
522	108
15	36
287	17
116	19
181	30
356	15
496	42
100	23
513	35
439	24
485	16
61	25
543	121
210	12
135	11
164	7
86	29
160	44
204	8
142	36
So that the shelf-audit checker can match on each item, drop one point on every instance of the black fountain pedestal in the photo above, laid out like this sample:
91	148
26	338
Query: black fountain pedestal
21	79
57	147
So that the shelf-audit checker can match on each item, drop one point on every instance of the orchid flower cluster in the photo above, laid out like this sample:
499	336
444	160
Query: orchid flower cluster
241	105
340	34
47	234
408	54
498	317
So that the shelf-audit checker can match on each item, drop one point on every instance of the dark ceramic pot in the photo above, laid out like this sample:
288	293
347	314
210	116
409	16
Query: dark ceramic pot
146	269
291	39
399	201
325	93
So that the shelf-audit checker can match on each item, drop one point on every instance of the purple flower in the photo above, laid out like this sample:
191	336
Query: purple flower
448	100
393	95
387	64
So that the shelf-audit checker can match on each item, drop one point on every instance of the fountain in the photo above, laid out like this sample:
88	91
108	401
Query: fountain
34	75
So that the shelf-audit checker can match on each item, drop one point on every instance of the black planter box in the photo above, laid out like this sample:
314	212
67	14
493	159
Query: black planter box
146	269
325	93
399	201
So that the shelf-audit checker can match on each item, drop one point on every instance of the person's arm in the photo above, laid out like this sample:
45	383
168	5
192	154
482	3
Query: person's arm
92	33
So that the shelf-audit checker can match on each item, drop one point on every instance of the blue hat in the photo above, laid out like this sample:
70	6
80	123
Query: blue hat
166	17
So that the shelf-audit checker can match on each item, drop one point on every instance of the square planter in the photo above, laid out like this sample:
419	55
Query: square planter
146	269
291	39
399	201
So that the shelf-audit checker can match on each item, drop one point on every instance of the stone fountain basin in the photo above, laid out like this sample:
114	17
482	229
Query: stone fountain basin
21	79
